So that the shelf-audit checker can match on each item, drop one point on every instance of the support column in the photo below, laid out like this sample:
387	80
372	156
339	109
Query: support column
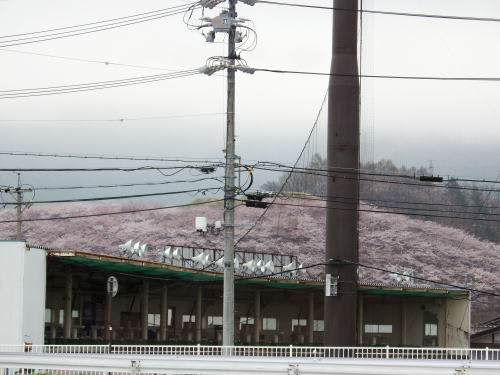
68	303
257	324
107	316
199	317
310	320
360	319
144	309
164	313
343	160
403	324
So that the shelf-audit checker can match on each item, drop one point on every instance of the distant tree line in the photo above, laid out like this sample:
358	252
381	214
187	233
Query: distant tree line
455	201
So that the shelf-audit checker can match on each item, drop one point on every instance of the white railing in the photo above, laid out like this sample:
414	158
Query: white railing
386	352
53	349
115	364
312	352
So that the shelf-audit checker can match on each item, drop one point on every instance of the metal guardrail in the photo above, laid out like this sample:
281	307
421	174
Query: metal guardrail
386	352
120	364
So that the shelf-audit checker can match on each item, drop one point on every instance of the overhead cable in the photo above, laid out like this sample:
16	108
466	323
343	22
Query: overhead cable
359	171
382	212
118	197
121	120
112	213
127	185
64	32
384	12
106	169
438	282
111	157
102	62
428	185
326	199
420	78
347	262
257	164
65	89
347	199
290	173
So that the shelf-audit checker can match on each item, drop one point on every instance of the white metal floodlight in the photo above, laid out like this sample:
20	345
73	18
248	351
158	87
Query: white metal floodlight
269	266
260	266
177	253
126	246
136	247
168	252
220	263
301	269
251	266
143	250
290	267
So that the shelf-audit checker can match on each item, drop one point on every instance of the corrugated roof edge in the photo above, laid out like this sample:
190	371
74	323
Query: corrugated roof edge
369	287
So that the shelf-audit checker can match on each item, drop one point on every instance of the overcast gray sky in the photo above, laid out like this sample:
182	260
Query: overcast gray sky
455	124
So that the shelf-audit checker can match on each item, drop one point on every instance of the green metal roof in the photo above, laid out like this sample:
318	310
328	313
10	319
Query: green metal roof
147	268
124	265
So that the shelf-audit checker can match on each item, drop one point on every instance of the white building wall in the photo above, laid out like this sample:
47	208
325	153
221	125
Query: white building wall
11	292
457	322
22	294
34	296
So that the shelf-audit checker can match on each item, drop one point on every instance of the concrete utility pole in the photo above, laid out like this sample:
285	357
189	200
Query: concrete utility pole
18	192
343	152
229	192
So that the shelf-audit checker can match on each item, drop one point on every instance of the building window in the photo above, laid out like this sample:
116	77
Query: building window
378	328
298	323
75	314
269	324
153	320
431	329
319	326
61	316
214	320
246	321
188	319
48	315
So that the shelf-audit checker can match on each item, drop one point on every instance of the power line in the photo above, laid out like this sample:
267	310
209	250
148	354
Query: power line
421	78
382	12
113	213
360	171
384	181
126	185
496	294
108	169
438	282
122	119
290	173
299	196
110	157
119	197
256	165
397	207
65	89
102	62
64	32
383	212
